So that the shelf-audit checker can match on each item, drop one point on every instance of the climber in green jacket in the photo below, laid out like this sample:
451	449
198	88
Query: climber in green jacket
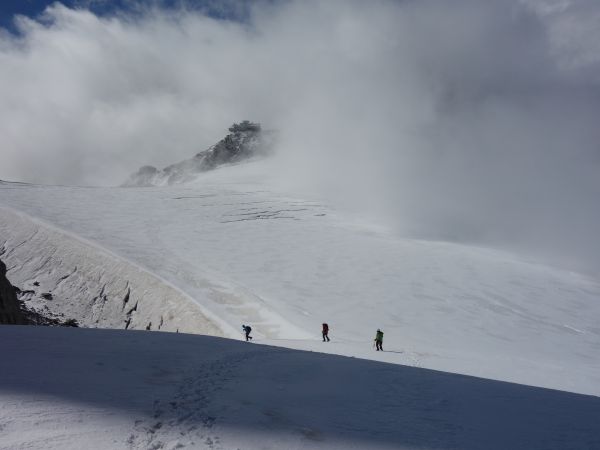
379	340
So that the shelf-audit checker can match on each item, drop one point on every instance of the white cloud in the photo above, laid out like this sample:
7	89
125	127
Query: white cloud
465	120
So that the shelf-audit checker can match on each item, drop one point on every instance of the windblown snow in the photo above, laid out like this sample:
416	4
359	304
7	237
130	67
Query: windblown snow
233	248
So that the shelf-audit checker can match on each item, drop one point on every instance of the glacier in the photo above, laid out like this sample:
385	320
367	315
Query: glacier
234	246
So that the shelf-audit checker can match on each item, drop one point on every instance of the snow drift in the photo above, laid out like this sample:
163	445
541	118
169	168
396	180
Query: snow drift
63	276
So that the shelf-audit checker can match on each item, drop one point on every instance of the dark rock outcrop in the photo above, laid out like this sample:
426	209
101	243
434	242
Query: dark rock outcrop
9	305
14	311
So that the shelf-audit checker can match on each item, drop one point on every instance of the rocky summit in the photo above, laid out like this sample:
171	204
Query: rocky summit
245	140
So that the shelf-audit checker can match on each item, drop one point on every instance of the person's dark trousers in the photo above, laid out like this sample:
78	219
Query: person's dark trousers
248	337
379	345
325	337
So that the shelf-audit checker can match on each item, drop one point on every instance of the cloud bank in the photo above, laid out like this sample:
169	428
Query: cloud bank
469	121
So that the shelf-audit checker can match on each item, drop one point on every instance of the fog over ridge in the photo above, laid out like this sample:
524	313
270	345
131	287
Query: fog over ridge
468	121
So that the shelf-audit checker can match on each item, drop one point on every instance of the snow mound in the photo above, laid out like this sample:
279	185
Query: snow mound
62	276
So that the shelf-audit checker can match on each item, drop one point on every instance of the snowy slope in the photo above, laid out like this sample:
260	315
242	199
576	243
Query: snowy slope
60	275
246	251
77	388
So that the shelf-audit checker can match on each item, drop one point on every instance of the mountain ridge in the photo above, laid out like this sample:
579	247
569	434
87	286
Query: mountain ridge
245	140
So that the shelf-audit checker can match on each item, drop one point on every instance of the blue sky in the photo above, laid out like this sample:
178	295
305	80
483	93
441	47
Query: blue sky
32	8
228	9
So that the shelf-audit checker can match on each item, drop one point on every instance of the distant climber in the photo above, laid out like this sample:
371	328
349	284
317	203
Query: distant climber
247	329
325	332
379	340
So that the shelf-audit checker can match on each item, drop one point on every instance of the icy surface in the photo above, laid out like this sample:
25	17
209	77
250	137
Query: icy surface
76	388
248	252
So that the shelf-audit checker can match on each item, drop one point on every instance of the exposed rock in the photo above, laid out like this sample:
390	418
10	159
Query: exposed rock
14	310
246	140
246	125
70	323
44	317
9	305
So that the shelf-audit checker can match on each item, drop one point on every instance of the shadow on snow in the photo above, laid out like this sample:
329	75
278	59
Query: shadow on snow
210	382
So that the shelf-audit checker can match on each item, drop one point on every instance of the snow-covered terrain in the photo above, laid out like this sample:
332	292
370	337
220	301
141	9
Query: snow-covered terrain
234	248
61	275
66	388
247	252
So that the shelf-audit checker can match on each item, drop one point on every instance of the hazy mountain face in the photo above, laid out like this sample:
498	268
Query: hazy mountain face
471	121
245	140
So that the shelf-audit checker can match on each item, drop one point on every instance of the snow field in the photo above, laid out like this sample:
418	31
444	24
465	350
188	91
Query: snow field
247	251
83	388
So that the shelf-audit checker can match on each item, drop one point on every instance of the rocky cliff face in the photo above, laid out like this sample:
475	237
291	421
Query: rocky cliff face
9	307
245	140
